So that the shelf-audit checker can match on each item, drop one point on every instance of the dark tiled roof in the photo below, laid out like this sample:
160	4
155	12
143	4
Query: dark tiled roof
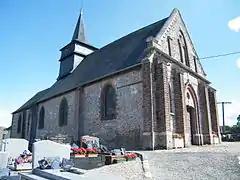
116	56
32	101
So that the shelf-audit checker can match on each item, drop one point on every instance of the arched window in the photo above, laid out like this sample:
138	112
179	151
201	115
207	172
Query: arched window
41	118
169	42
19	126
108	105
29	121
183	51
63	112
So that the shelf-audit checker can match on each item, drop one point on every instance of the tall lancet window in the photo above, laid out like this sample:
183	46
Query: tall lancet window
108	102
183	50
41	118
169	42
63	112
19	126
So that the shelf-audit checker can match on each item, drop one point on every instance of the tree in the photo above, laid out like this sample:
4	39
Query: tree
238	121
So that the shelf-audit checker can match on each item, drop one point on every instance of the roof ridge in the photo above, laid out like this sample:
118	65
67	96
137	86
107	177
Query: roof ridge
136	31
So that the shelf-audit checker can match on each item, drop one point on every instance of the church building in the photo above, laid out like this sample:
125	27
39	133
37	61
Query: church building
146	90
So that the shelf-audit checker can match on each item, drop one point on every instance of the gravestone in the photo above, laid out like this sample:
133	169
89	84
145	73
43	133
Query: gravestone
123	151
117	152
90	142
14	147
48	149
3	159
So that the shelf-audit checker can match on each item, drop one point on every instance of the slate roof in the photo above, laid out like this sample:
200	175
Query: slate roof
118	55
32	101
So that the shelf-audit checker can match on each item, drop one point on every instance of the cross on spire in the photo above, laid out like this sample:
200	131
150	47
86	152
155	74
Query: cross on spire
79	32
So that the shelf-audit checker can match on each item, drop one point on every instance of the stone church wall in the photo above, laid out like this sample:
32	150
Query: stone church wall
26	126
51	123
125	130
173	30
14	133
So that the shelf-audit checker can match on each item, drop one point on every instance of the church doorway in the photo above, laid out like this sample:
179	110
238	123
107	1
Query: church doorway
192	117
192	123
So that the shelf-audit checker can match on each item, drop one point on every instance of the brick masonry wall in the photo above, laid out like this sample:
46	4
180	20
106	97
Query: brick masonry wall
213	110
162	122
125	130
178	97
162	98
26	128
51	120
147	105
205	123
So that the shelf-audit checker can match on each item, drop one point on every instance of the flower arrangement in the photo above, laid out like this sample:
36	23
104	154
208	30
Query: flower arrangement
25	157
74	150
92	150
82	150
130	156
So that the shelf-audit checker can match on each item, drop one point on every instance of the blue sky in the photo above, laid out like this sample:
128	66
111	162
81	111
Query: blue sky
32	32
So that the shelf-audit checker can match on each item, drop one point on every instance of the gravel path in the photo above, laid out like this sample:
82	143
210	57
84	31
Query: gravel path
217	162
126	170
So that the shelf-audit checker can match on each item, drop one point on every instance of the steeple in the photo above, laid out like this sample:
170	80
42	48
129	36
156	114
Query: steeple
79	32
73	53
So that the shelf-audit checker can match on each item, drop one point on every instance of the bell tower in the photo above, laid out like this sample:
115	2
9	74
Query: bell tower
74	52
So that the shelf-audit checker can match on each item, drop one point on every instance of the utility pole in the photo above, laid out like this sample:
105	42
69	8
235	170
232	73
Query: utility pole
223	116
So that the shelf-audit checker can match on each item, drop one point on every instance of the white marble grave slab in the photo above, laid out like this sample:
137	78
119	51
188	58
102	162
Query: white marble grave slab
14	147
45	149
3	159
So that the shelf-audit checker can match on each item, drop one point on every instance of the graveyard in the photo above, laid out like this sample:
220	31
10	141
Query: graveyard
52	160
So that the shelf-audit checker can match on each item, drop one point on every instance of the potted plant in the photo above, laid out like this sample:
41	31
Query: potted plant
130	156
91	152
78	152
23	162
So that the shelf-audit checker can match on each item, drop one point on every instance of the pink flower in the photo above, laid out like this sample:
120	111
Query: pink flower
19	160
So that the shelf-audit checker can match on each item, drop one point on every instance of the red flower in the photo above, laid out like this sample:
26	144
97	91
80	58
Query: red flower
82	150
130	156
95	150
74	149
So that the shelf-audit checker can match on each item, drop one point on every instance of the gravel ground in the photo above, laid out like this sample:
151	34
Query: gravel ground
126	170
218	162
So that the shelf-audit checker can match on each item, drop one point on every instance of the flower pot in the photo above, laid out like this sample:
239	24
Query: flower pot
92	155
23	166
131	159
79	155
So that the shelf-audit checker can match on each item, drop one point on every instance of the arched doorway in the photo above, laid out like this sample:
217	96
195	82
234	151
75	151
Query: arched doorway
192	116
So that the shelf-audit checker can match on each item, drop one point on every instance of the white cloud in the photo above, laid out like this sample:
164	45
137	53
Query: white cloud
238	62
234	24
231	112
